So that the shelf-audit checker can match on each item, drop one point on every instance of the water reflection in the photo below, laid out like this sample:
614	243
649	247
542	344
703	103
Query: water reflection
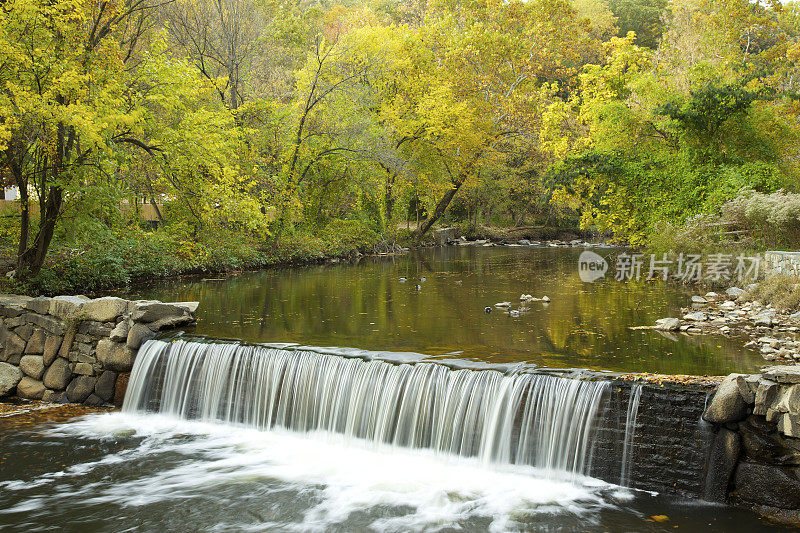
366	305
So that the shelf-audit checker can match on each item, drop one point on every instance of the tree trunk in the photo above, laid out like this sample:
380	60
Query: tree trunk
441	207
31	260
388	199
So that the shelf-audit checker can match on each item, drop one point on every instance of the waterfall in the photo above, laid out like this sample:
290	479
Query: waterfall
540	420
630	430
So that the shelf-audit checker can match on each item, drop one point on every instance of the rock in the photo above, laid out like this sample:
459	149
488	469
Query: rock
24	332
39	305
735	292
51	396
32	365
51	345
120	332
762	320
747	387
104	388
782	374
699	300
120	387
721	464
766	394
728	305
14	345
789	424
712	295
503	304
83	369
153	311
104	309
35	344
698	316
545	298
58	375
770	341
66	307
176	321
727	405
49	324
795	317
115	356
768	485
137	335
80	388
10	376
30	388
524	242
94	401
668	324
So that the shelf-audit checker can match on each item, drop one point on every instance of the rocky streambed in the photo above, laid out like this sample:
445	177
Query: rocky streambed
772	332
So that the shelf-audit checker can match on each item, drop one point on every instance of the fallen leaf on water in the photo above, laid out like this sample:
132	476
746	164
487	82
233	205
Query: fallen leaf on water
659	518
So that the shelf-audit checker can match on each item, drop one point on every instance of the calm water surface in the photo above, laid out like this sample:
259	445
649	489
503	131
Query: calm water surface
367	306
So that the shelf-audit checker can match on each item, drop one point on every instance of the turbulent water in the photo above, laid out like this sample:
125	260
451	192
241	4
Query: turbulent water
525	419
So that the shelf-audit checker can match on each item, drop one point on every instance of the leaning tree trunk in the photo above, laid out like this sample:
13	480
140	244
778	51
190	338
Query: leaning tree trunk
441	207
30	262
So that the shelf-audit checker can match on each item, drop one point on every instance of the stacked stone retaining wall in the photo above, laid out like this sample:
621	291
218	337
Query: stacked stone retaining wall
75	349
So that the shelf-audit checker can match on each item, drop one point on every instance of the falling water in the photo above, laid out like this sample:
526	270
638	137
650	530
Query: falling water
630	430
518	418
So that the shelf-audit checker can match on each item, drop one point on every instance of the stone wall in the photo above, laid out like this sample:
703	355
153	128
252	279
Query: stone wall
74	349
670	442
782	263
757	448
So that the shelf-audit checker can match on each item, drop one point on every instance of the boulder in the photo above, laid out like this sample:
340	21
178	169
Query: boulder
10	376
66	307
782	374
24	331
51	325
763	320
789	424
32	365
735	292
137	335
189	306
770	485
766	395
93	401
51	345
699	300
721	463
747	387
727	405
14	345
120	332
30	388
668	324
40	305
115	356
58	375
51	396
104	309
104	388
153	311
83	369
35	344
80	388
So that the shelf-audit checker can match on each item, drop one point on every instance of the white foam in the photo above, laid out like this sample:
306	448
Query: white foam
424	490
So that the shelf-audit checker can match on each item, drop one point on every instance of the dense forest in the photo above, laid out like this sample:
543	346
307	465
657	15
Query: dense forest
148	137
